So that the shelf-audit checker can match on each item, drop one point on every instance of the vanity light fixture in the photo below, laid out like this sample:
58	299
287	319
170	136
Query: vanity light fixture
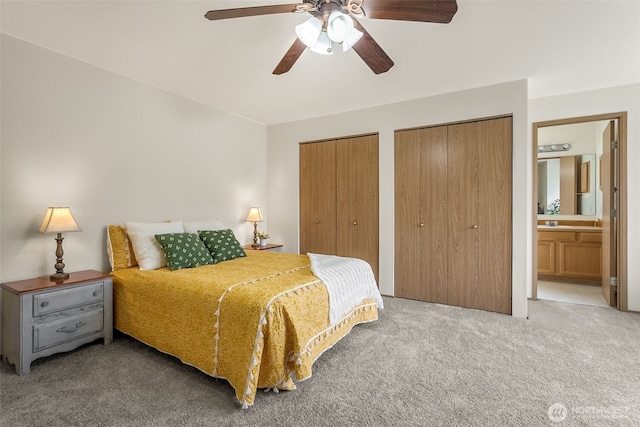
553	147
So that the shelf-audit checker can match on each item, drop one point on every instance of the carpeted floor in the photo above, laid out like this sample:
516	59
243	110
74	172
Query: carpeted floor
420	365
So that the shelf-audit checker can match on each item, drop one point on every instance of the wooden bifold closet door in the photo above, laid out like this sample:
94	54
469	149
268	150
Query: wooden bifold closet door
339	198
453	214
317	198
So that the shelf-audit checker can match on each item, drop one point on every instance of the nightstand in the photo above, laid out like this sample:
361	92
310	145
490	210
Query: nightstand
270	247
42	317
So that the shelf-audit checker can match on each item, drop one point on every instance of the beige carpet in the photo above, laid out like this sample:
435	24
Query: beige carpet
420	364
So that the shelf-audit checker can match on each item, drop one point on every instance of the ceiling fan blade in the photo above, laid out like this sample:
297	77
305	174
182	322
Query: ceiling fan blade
371	52
290	57
438	11
250	11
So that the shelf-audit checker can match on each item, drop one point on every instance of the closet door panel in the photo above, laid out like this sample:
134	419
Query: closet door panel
463	206
433	213
318	197
421	203
495	214
408	233
456	181
357	199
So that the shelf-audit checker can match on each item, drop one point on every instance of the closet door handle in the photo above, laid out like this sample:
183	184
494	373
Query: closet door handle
355	222
475	226
421	225
317	221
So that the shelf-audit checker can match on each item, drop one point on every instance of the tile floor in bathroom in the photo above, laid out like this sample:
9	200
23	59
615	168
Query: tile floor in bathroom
571	293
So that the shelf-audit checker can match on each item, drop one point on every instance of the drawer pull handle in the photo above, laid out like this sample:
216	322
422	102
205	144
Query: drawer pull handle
96	293
44	303
72	329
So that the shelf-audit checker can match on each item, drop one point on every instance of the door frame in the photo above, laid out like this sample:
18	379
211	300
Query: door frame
621	178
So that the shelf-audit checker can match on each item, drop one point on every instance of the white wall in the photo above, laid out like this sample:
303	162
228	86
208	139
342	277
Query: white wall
508	98
602	101
112	149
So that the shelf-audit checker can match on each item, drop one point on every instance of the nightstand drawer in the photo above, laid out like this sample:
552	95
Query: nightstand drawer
67	329
67	298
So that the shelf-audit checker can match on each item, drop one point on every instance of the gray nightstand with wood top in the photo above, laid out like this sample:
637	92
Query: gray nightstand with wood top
41	317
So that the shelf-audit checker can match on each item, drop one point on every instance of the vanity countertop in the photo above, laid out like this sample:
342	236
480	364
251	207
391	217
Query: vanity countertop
570	228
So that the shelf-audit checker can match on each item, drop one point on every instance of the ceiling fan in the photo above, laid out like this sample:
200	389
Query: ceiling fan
337	21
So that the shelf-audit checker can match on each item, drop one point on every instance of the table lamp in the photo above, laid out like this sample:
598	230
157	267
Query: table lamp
255	216
59	220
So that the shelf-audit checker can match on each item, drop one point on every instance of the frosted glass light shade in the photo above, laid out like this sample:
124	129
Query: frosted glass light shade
324	45
309	31
59	220
339	26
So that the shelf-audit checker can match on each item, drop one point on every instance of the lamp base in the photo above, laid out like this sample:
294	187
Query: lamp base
59	265
59	276
255	244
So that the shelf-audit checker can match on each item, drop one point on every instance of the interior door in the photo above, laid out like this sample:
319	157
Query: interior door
608	221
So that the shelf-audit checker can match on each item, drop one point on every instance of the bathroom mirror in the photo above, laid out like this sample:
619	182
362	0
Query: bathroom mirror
567	185
579	178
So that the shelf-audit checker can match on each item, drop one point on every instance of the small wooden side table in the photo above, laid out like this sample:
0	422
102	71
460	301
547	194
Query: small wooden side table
273	247
43	317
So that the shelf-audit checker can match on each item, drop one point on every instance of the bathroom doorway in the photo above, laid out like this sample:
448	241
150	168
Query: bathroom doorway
574	216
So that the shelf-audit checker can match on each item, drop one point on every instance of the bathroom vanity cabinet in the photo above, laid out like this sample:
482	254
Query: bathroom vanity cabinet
570	252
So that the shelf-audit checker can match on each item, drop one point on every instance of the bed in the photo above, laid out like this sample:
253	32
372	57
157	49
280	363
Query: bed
257	321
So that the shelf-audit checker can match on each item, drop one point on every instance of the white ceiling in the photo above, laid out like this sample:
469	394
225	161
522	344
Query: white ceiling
560	46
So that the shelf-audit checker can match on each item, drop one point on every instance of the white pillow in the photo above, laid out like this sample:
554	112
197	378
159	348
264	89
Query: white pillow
145	246
207	224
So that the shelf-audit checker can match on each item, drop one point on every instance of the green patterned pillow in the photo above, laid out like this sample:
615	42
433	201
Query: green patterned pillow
184	250
222	244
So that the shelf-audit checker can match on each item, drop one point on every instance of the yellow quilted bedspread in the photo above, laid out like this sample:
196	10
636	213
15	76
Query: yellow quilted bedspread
258	321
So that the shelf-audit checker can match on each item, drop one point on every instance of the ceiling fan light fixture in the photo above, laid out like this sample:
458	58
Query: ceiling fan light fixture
324	45
339	26
351	40
344	25
309	31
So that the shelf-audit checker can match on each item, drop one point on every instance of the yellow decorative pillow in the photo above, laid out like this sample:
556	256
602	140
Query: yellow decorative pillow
119	248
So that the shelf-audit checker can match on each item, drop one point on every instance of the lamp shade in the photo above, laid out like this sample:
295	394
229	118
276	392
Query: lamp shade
309	31
254	215
339	26
59	220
